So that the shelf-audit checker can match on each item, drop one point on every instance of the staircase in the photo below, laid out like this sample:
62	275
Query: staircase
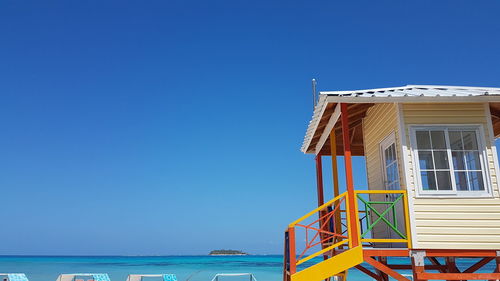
334	266
333	235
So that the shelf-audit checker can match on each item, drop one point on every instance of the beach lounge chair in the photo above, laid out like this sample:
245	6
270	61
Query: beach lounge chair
83	277
218	276
13	277
142	277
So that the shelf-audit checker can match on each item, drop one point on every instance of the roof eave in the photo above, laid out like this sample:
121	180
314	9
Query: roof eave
411	99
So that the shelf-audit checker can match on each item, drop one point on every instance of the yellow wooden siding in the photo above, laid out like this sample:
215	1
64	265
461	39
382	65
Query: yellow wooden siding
453	223
380	122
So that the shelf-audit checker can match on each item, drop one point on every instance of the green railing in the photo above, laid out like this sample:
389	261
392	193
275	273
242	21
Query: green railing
385	212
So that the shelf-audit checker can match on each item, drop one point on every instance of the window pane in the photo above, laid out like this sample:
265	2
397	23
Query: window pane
472	160
438	140
428	180
441	159
458	160
456	140
392	173
425	160
476	181
444	180
389	173
394	186
423	140
461	180
470	140
390	155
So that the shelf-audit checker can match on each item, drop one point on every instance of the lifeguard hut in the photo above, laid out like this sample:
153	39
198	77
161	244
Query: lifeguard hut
433	192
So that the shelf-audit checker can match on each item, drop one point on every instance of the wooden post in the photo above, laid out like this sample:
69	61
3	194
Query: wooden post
497	263
451	266
497	259
351	196
321	197
337	220
286	257
293	254
319	181
418	264
335	173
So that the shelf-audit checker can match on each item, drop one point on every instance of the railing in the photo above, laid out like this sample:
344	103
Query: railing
386	210
322	236
326	231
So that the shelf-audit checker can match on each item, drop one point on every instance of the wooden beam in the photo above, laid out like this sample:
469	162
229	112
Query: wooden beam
319	181
473	268
352	135
359	109
380	266
458	276
328	128
352	124
409	267
351	196
451	265
368	272
461	253
292	251
435	262
494	112
386	253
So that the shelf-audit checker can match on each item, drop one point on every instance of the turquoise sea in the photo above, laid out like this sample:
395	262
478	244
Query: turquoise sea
193	268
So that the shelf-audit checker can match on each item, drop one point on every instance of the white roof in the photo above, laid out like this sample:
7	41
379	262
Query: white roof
417	91
409	93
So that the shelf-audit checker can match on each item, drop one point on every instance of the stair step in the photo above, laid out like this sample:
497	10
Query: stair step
331	267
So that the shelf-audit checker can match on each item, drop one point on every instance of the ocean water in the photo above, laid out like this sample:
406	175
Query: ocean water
192	268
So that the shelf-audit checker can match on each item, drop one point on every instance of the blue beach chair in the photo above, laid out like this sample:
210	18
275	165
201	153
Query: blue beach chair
13	277
152	277
83	277
220	276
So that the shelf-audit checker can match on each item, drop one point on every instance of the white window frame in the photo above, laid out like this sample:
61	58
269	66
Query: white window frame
478	128
388	141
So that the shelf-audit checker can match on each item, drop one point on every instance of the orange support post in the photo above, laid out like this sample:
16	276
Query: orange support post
351	196
293	254
335	175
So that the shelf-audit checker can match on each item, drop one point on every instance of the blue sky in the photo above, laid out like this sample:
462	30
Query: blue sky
174	127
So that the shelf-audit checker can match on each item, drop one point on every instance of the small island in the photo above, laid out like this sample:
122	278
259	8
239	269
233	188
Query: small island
227	253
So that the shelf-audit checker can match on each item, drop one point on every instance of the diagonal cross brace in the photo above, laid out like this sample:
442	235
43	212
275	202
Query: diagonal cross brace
381	216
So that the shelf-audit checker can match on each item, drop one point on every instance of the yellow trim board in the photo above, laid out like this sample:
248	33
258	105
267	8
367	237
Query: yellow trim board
370	240
331	267
382	191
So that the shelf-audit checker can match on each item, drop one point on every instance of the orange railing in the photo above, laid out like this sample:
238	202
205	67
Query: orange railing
326	230
322	234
